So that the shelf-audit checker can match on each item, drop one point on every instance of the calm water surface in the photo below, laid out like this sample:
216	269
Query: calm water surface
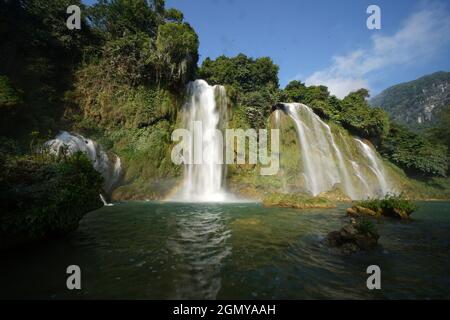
150	250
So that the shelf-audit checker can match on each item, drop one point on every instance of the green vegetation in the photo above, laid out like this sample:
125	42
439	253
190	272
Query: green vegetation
366	226
43	196
39	54
440	132
252	84
356	236
143	44
395	206
295	200
414	152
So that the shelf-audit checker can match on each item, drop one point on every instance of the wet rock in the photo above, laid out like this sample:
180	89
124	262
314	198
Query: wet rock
353	237
358	211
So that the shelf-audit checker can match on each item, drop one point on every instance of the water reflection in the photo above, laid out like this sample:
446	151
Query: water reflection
199	245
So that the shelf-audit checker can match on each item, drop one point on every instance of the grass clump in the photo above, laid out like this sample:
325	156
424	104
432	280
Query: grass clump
390	206
366	226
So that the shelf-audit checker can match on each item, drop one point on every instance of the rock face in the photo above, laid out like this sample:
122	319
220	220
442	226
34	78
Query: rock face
353	237
417	103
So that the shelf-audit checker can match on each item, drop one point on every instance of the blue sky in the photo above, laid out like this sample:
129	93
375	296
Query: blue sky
327	42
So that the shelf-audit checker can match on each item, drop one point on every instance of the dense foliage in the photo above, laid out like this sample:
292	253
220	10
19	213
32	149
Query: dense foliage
42	195
38	54
134	42
440	132
414	152
143	43
252	83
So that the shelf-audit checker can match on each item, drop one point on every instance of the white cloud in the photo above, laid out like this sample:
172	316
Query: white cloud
422	35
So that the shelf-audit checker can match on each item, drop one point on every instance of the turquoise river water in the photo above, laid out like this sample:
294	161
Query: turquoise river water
153	250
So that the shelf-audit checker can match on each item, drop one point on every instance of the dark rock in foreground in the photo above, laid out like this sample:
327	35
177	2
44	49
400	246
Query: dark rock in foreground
353	237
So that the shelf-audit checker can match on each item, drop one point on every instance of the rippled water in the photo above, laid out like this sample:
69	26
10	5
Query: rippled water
173	250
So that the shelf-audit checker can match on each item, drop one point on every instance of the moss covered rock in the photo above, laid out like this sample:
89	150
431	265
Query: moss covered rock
299	201
391	206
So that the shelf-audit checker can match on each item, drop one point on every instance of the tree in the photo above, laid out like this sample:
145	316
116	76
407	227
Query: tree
253	82
38	56
361	119
295	91
414	153
243	73
177	53
174	15
116	18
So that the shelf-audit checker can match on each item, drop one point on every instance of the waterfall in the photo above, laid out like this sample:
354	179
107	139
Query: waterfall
109	166
207	106
325	164
105	203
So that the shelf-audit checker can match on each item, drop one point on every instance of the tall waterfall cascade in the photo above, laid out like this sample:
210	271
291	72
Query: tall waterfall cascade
204	182
110	167
329	159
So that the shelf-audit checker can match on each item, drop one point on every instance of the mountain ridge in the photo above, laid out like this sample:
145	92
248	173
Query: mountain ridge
416	103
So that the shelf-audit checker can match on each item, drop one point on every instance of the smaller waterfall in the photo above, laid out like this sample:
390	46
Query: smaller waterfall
376	166
105	203
325	163
109	166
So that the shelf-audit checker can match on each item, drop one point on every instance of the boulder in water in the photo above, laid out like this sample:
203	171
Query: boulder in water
353	237
392	206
